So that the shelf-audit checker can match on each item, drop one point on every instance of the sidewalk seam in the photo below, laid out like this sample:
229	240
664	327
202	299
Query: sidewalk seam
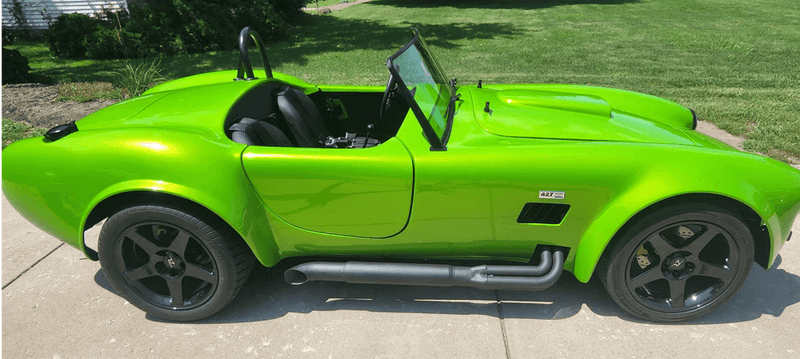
32	265
502	323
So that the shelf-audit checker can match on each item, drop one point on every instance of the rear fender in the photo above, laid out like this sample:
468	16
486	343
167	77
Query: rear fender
248	217
49	182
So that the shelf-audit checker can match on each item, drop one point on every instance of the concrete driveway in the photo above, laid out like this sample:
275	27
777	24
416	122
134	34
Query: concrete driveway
57	304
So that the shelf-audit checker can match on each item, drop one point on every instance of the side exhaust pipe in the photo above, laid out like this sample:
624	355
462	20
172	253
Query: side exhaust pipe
484	277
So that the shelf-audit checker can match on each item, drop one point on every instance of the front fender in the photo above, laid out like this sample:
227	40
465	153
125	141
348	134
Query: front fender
768	187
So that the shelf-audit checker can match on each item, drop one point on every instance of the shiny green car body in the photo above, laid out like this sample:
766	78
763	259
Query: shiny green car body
612	154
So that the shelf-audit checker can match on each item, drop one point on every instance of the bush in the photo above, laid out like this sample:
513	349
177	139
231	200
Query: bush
169	27
213	25
15	67
68	35
104	43
150	31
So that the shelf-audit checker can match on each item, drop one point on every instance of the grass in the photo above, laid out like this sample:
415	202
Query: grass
313	4
736	62
87	91
14	131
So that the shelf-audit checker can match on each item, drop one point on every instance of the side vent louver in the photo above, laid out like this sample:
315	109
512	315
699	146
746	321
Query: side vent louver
544	213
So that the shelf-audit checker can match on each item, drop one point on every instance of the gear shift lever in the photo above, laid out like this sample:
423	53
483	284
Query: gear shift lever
370	127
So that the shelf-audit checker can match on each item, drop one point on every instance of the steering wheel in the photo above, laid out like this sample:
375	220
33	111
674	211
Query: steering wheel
388	96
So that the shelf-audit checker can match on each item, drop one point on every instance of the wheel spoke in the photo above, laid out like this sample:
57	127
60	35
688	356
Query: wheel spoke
179	243
661	246
149	247
138	273
710	270
676	292
198	272
701	242
175	291
653	274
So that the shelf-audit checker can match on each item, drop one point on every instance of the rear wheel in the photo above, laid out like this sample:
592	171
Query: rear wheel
171	264
679	263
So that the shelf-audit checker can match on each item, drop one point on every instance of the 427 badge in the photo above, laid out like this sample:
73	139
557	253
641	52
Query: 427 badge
551	194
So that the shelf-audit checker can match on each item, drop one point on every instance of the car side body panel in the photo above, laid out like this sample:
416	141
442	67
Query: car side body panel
465	200
364	192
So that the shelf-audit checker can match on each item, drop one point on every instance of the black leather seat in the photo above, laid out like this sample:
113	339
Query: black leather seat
304	126
253	132
302	118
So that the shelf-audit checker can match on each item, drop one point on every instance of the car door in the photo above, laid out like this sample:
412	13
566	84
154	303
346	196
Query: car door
363	192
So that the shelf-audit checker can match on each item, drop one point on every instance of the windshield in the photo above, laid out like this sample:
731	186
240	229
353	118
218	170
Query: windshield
422	80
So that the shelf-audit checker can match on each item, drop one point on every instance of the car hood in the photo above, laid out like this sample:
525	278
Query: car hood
582	113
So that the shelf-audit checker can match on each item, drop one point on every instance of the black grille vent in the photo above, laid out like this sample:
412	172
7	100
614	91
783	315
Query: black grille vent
544	213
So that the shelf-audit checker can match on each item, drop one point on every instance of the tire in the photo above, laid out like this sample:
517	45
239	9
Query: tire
678	263
171	264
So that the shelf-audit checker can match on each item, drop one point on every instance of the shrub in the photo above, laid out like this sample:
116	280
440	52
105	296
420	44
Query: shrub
213	25
68	35
15	67
150	31
168	27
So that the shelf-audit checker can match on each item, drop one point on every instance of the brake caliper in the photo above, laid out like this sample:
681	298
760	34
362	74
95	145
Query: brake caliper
685	232
643	257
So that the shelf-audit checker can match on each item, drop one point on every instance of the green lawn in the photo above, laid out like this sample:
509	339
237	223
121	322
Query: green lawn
736	62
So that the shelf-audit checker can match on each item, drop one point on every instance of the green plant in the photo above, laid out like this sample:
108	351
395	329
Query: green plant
106	43
207	26
168	27
18	14
14	131
150	31
69	35
137	76
15	67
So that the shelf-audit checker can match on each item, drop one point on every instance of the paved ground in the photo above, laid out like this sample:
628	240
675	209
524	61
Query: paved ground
57	304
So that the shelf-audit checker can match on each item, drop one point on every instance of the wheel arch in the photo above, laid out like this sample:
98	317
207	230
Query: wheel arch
120	201
748	215
264	249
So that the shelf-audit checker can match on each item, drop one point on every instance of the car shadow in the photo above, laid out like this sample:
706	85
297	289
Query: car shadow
266	296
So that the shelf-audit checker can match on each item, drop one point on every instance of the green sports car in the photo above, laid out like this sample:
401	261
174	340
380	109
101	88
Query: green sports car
423	182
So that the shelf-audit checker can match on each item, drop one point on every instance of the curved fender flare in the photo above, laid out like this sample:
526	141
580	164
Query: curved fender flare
606	226
247	217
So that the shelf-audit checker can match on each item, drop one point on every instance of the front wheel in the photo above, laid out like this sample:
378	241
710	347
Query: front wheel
678	263
171	264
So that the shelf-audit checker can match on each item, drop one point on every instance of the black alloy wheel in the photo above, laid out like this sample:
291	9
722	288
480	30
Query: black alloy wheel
171	264
684	264
166	265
